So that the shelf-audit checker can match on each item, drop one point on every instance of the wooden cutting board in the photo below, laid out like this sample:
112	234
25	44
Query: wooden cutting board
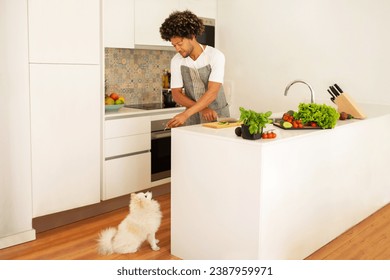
220	124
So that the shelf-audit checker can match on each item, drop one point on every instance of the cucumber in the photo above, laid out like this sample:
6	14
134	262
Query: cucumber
286	124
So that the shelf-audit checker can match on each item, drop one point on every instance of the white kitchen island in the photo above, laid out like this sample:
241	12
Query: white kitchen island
276	199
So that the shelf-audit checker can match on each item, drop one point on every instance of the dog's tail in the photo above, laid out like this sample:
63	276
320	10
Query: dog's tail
105	241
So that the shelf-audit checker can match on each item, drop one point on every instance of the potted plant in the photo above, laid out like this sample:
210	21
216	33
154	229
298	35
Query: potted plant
253	123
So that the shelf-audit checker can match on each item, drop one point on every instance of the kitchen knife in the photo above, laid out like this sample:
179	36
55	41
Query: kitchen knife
227	120
335	92
331	94
338	88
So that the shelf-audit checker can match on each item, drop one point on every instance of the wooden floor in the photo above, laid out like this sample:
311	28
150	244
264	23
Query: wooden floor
77	241
369	240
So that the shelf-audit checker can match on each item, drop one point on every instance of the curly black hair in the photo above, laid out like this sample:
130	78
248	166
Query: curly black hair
181	24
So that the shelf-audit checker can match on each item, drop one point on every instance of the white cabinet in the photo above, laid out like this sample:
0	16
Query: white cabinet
66	103
128	174
149	15
202	8
65	131
127	156
118	23
64	31
15	148
130	23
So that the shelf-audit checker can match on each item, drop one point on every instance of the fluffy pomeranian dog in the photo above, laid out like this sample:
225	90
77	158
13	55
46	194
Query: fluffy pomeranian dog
140	224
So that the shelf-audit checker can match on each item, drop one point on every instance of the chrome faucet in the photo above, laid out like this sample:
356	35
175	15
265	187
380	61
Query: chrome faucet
303	82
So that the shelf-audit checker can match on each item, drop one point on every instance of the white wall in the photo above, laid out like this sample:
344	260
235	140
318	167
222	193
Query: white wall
268	43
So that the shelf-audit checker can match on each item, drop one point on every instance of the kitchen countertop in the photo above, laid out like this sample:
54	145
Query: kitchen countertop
372	111
132	112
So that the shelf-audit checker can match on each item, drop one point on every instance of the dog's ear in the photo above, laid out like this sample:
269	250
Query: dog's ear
148	195
136	201
133	196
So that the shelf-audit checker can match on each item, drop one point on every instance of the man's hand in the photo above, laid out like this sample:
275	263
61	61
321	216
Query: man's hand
209	114
178	120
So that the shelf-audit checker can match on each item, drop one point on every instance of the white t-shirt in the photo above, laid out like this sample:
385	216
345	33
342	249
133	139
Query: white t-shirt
210	55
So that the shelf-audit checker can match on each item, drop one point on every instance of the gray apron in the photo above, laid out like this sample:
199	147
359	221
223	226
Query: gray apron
195	83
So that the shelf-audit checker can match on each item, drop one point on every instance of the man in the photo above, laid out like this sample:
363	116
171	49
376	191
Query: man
197	68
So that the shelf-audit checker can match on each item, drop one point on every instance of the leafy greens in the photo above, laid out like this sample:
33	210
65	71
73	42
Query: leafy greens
255	121
325	116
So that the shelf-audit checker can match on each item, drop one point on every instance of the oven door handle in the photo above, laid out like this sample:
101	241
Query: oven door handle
160	135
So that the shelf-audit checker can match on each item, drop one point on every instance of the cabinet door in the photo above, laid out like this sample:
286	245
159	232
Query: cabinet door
126	145
126	175
202	8
149	15
15	146
118	23
64	31
65	136
126	127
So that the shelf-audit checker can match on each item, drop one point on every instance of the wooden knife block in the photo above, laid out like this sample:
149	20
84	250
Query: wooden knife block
345	104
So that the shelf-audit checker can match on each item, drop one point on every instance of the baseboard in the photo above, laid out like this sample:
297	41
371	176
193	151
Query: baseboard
47	222
17	238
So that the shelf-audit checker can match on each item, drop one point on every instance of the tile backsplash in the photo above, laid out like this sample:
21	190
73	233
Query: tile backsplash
136	74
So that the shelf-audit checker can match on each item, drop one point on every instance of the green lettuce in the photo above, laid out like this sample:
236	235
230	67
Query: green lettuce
325	116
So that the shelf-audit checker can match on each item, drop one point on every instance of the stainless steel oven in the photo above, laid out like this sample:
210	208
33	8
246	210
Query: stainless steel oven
208	36
161	150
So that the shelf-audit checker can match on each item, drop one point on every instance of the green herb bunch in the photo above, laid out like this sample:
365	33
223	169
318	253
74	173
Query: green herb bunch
325	116
255	121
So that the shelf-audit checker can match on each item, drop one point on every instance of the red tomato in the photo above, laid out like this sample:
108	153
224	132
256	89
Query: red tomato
114	96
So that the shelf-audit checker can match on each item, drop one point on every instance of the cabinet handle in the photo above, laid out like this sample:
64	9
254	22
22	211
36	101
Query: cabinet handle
160	135
127	155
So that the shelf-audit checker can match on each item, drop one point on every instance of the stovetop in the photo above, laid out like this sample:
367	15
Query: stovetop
149	106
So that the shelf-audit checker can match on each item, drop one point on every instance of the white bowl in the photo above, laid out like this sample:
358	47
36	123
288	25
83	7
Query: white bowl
113	108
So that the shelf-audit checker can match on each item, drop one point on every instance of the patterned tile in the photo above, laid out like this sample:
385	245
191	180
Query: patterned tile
136	74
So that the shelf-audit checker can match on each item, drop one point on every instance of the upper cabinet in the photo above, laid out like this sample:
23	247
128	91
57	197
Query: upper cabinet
64	31
136	23
202	8
118	23
149	15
